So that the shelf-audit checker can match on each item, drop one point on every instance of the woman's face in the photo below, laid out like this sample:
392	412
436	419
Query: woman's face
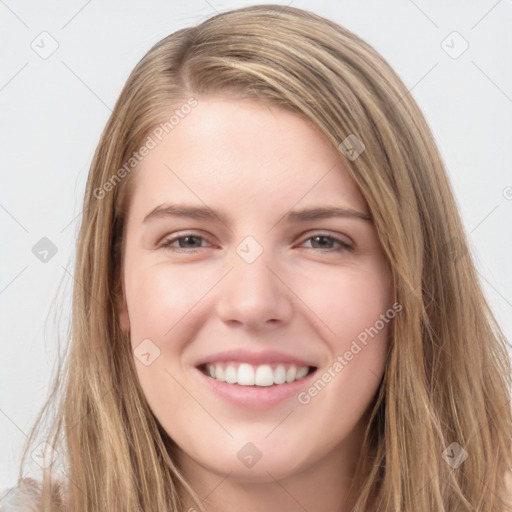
223	265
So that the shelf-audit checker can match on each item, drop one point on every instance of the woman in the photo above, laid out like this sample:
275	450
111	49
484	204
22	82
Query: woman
261	369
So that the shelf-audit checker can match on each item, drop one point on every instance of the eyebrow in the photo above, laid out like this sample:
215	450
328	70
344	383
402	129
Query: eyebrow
205	213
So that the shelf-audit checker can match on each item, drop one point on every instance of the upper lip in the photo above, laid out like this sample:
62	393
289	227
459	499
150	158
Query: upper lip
255	358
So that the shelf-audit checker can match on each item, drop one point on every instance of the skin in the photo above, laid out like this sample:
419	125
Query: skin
301	296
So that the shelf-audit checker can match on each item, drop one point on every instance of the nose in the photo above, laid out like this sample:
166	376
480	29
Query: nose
254	295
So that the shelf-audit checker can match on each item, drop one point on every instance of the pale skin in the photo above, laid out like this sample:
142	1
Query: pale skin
304	296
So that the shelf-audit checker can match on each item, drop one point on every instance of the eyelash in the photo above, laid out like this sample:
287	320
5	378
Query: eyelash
167	243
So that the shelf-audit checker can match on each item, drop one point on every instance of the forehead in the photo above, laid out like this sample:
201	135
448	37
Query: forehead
242	155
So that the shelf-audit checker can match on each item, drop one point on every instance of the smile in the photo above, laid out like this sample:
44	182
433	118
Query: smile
264	375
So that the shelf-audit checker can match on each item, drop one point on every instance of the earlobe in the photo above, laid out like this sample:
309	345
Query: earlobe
120	304
122	313
124	320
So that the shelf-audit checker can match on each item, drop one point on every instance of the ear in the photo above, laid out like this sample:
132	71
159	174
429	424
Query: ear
122	315
122	311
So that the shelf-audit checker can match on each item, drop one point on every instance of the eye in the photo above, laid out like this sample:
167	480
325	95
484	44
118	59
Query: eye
320	239
191	242
184	246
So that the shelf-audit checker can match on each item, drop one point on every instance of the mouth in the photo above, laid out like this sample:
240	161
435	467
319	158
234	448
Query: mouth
264	375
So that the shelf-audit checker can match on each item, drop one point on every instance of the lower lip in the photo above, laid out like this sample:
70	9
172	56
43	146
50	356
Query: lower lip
255	397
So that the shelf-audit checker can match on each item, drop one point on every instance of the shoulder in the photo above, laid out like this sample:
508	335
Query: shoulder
24	497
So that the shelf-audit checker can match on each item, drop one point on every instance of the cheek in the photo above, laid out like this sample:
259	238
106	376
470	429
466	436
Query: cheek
356	309
164	303
347	301
159	297
161	305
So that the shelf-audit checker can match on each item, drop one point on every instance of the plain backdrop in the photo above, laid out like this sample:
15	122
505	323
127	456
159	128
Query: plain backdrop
63	65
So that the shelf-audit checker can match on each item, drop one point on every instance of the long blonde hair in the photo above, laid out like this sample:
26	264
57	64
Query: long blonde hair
447	378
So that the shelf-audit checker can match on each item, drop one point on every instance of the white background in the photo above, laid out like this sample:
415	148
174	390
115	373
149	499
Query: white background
52	112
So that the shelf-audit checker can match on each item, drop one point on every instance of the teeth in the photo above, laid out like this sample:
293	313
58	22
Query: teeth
219	373
280	375
264	376
301	372
230	375
245	374
291	374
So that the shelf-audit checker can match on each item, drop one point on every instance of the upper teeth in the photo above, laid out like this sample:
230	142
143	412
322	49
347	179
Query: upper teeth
249	375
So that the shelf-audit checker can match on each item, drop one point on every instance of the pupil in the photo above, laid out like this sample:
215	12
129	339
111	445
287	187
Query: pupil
187	238
320	237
